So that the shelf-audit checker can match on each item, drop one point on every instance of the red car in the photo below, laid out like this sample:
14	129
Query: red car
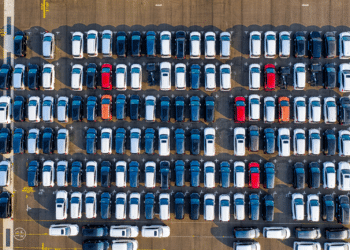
239	109
106	76
270	77
254	175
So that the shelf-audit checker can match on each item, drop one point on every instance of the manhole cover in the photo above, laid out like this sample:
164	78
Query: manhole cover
19	233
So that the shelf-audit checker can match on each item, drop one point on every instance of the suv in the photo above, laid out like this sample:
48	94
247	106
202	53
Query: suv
105	174
18	77
254	138
330	110
254	175
5	76
120	107
314	175
299	141
344	45
179	206
135	44
299	76
209	207
20	44
120	174
180	45
19	139
195	108
34	108
195	75
298	207
344	77
195	173
209	109
239	109
49	46
151	43
329	76
48	109
194	206
76	77
180	76
121	76
33	174
165	174
134	107
269	141
342	209
343	176
91	108
179	173
268	208
314	110
33	76
121	46
254	207
270	44
48	141
344	110
62	109
299	110
255	44
62	141
91	76
165	76
165	44
107	38
149	206
283	142
225	45
270	77
330	45
209	142
254	76
120	141
299	176
284	44
77	108
299	44
315	45
76	172
195	45
61	205
136	77
329	142
4	173
329	175
5	141
209	44
5	205
77	45
164	206
32	140
269	175
91	140
62	174
165	108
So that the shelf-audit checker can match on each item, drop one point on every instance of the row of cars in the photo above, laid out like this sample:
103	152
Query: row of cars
313	45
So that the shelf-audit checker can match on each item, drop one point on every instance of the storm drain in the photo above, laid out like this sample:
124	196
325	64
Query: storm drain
8	237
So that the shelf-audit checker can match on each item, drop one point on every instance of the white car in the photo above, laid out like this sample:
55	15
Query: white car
48	77
76	205
34	108
164	206
124	231
284	44
120	174
336	245
90	205
209	174
150	108
269	109
64	230
92	43
77	45
209	38
255	44
254	108
18	77
283	142
62	174
165	44
209	207
150	174
48	108
330	110
238	174
239	206
270	41
246	245
299	141
210	78
33	141
48	174
224	207
155	231
254	76
298	206
314	110
121	76
4	173
314	141
299	79
344	77
343	176
120	206
313	208
329	175
134	206
106	141
299	110
125	244
107	42
62	141
165	76
209	142
77	77
180	76
225	45
344	45
239	141
135	140
276	232
306	245
49	46
6	109
164	141
91	174
195	45
344	143
225	77
136	77
62	109
61	205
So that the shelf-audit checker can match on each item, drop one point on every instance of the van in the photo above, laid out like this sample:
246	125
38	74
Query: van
125	245
225	45
276	232
48	46
155	231
246	232
306	245
307	233
64	230
165	44
124	231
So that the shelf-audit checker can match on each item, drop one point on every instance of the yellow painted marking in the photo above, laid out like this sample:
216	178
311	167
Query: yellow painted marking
38	234
2	32
28	190
26	196
44	6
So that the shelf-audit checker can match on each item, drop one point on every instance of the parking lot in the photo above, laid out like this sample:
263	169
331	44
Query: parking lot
34	208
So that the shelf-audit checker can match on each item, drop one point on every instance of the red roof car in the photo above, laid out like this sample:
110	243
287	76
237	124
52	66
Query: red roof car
270	77
254	175
106	76
239	109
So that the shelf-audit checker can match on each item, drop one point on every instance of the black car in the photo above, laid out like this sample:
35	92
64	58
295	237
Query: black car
337	233
344	110
328	208
164	109
5	205
19	139
330	45
269	175
91	108
299	176
179	206
5	76
20	44
5	141
315	45
151	43
268	208
33	174
77	108
91	76
19	109
105	205
342	209
195	205
329	142
105	174
95	231
195	142
329	76
165	173
121	44
179	108
95	245
314	175
135	43
134	107
48	141
254	138
33	76
269	141
209	109
76	172
91	141
180	44
254	207
300	44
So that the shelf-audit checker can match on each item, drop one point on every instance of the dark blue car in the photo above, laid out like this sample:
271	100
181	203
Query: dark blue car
105	205
254	207
120	104
91	76
179	206
77	108
149	141
165	174
121	44
120	141
179	108
195	76
91	108
195	108
195	205
195	142
134	174
19	138
149	206
76	171
151	43
135	44
19	109
33	174
180	141
134	107
195	173
269	175
225	174
269	141
179	173
164	109
105	174
33	76
209	109
180	44
91	141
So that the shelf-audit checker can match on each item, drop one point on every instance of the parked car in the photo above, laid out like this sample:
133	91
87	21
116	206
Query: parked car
19	109
149	140
239	141
330	45
299	110
343	110
209	142
329	142
165	108
343	77
209	44
246	233
330	110
120	105
329	76
149	206
314	175
239	204
195	76
135	44
299	78
195	173
105	179
32	140
134	206
106	76
254	76
91	174
313	208
299	176
150	174
179	173
155	231
344	143
283	142
48	106
254	175
165	174
342	209
164	141
195	108
343	176
134	107
194	206
90	205
18	77
76	77
225	174
269	141
120	206
307	233
95	244
179	206
61	204
254	207
180	109
209	174
270	77
255	44
105	205
76	173
92	43
121	47
225	77
315	45
246	245
134	174
91	141
121	76
314	142
344	45
136	77
19	139
254	108
276	232
238	174
209	207
64	230
164	206
210	77
180	76
269	175
62	174
94	231
337	234
225	45
62	109
33	76
284	44
151	43
270	41
20	44
195	45
300	44
4	173
34	109
195	142
5	76
91	76
253	138
91	109
180	141
48	139
165	76
106	141
329	175
76	205
150	108
180	40
124	231
298	206
299	141
106	107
